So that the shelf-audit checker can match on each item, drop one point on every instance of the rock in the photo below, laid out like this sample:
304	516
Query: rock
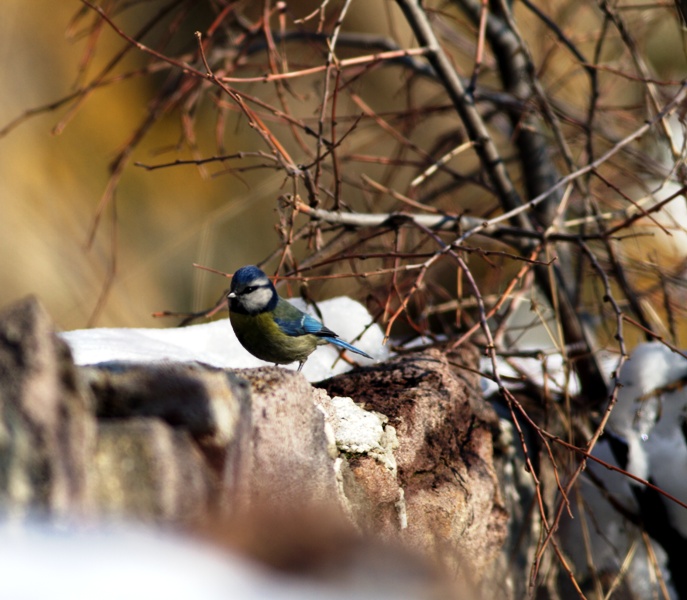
47	425
146	470
401	451
202	400
445	499
292	454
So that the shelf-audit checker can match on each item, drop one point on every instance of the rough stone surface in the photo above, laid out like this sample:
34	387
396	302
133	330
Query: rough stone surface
450	495
204	401
292	453
47	426
146	470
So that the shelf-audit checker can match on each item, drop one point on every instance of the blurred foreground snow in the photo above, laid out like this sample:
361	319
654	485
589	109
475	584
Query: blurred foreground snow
41	561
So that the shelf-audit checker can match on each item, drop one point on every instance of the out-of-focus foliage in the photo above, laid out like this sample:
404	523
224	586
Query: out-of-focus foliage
51	186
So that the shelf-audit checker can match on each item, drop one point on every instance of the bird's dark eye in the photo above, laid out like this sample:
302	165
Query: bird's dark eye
249	289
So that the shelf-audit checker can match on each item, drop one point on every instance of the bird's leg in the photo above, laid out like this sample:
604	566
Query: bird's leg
300	366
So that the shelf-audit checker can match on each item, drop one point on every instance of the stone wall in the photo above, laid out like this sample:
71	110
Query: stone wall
401	453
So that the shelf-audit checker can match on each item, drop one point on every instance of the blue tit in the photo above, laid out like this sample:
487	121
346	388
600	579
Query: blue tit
271	328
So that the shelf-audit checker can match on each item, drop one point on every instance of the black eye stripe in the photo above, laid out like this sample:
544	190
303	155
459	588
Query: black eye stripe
251	288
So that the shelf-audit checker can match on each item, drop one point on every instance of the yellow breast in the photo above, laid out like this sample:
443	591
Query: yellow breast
261	336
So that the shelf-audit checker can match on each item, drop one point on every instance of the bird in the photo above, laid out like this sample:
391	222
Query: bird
271	328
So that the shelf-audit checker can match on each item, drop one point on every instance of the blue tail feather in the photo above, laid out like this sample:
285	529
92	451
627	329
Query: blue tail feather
339	342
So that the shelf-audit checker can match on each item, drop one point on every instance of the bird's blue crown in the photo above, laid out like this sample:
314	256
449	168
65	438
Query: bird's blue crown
246	275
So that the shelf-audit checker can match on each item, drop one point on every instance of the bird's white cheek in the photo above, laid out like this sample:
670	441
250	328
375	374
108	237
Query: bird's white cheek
257	300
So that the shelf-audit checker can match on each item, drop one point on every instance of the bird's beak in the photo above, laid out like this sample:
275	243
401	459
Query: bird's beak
231	295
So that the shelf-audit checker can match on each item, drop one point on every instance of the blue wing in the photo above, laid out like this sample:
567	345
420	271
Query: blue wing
304	325
294	322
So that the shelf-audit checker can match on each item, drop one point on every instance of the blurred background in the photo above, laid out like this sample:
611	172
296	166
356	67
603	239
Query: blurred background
51	186
115	263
